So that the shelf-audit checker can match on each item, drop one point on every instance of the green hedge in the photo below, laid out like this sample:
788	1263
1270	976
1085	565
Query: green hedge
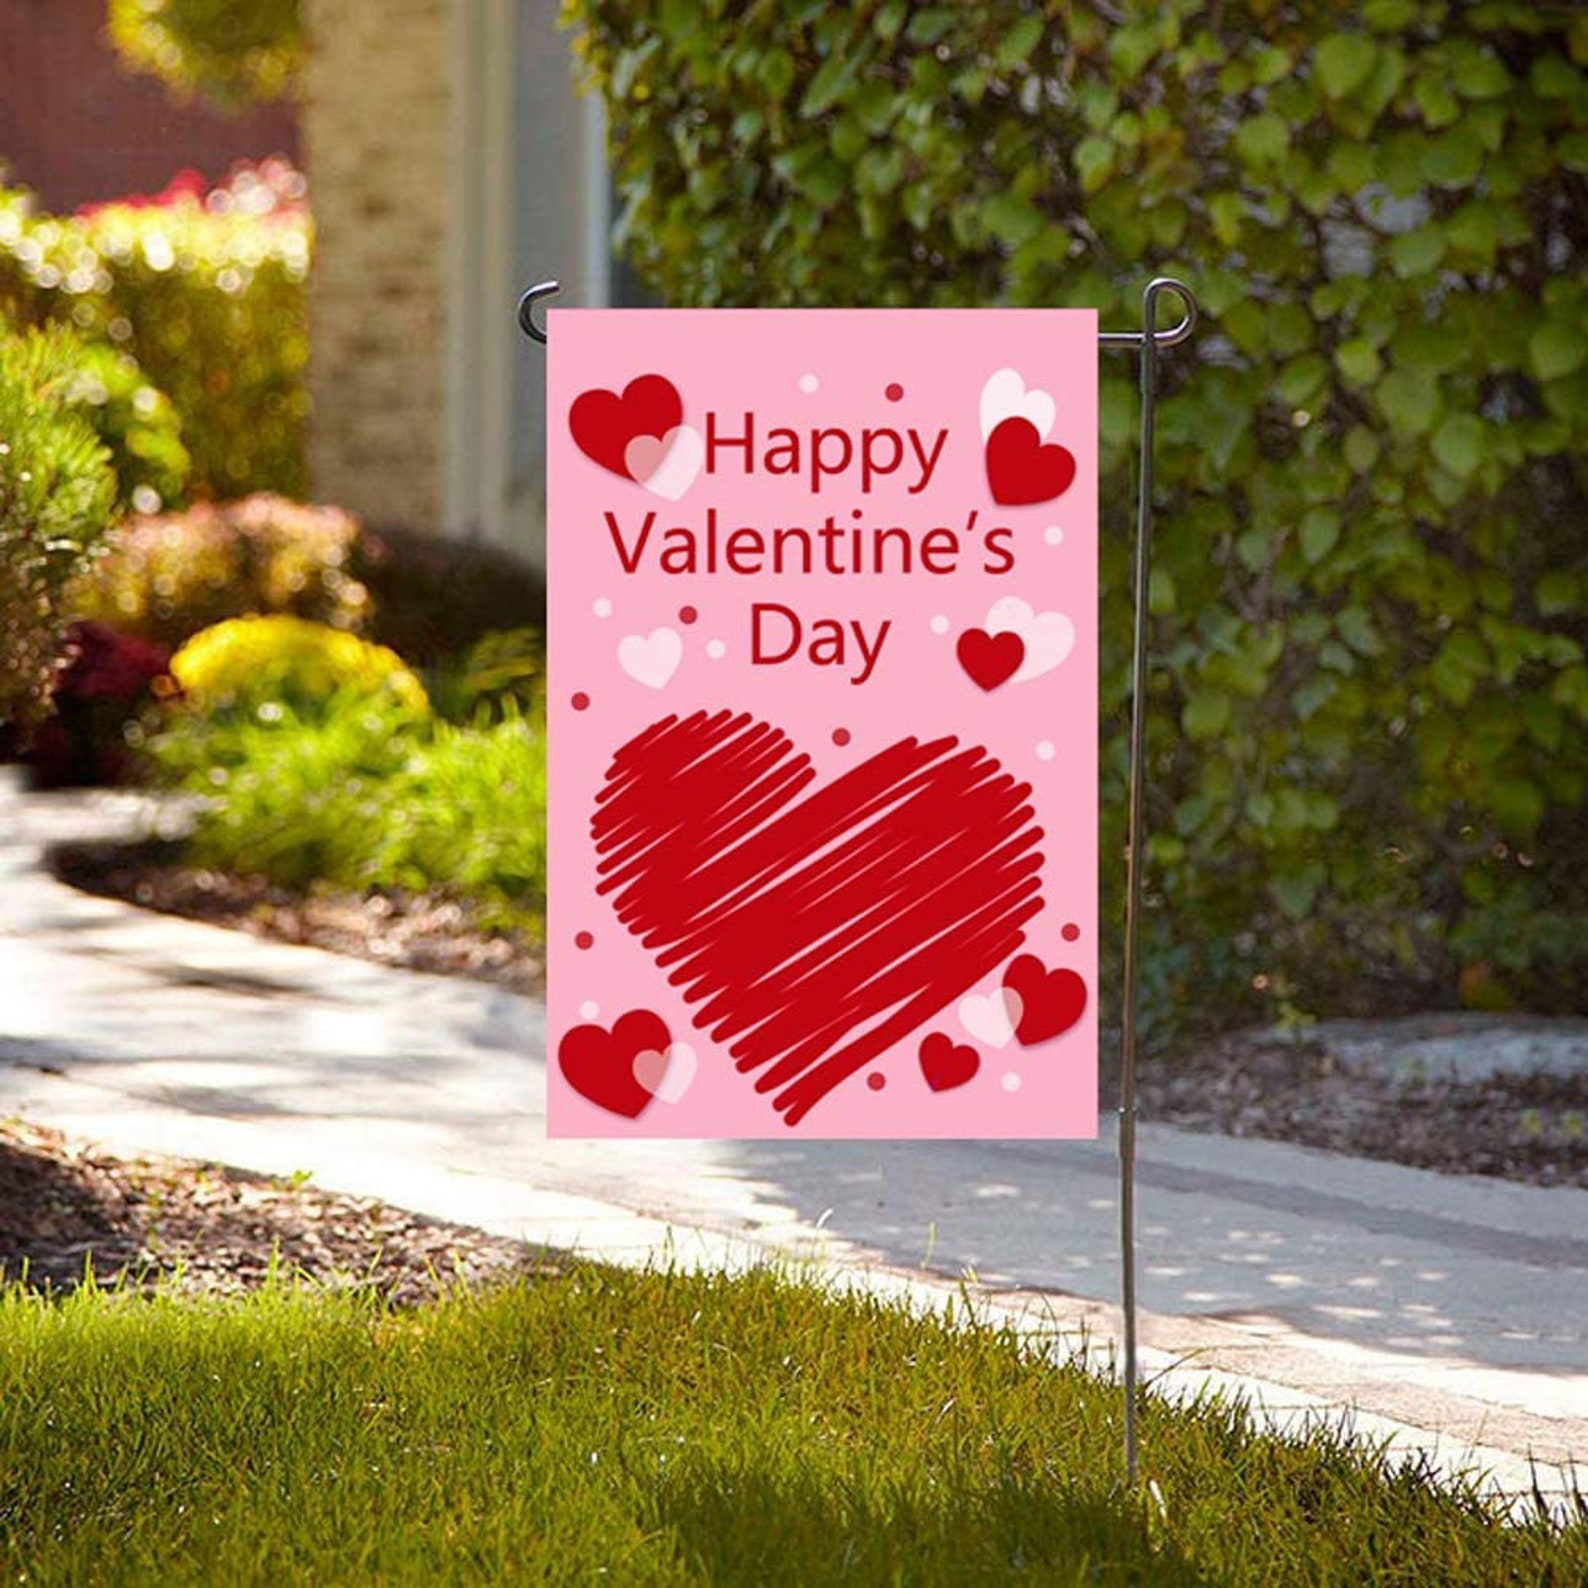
212	305
1368	757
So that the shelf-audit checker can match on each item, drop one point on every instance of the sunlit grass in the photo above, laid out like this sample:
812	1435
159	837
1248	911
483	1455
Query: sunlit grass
659	1428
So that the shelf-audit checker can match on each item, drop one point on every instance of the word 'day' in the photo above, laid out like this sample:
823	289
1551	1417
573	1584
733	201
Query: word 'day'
822	723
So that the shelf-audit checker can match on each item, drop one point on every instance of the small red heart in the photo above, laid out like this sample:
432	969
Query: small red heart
1051	1001
603	423
1021	470
990	658
946	1065
599	1064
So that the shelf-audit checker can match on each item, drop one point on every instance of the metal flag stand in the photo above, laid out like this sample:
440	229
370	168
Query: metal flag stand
1148	340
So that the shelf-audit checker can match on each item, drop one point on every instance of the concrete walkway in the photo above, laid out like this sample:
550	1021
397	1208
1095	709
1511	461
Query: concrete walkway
1448	1315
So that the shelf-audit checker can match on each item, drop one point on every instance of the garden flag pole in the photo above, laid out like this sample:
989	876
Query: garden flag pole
812	930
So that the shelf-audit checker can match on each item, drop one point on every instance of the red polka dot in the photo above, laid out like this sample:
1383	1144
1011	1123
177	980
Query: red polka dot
840	736
687	614
876	1080
580	702
583	940
1069	932
894	391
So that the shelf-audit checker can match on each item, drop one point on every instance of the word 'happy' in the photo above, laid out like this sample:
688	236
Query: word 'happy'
826	453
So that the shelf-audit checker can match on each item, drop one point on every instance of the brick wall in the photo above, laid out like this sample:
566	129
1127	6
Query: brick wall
376	132
77	129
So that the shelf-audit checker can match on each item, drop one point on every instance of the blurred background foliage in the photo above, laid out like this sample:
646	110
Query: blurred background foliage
227	53
1367	750
206	291
57	499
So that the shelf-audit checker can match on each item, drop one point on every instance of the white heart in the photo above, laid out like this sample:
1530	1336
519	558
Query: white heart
1005	397
1049	636
666	1076
991	1019
651	659
666	465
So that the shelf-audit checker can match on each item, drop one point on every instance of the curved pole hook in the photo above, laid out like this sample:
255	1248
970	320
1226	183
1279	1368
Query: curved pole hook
1171	335
526	309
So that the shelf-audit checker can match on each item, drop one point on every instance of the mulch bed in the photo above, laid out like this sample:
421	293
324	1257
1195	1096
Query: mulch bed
417	931
210	1229
1530	1128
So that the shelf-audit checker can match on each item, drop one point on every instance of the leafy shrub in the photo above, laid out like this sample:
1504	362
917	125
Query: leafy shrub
360	793
207	294
136	421
167	576
502	672
264	663
57	492
434	598
1367	757
228	53
104	682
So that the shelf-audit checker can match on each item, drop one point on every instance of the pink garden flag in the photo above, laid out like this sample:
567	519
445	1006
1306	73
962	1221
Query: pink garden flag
822	723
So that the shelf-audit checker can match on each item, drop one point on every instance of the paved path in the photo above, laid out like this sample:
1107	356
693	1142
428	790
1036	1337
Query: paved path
1450	1313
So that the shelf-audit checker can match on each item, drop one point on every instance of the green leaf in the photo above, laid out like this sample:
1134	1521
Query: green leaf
1358	361
1206	714
1320	532
832	81
1361	449
1296	891
1556	593
1459	443
1012	219
1457	666
1016	46
1557	349
1094	162
1343	62
1416	252
1262	141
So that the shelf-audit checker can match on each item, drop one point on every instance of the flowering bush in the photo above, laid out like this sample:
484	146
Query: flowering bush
169	575
247	664
103	682
205	290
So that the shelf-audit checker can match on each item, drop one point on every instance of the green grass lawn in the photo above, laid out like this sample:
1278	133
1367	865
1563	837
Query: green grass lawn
658	1428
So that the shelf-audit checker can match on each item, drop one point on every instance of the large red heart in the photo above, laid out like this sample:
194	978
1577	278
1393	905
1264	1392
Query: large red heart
599	1064
814	927
990	658
1021	470
1051	1001
603	423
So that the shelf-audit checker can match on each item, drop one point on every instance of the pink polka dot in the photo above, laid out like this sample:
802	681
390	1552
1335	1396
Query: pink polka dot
893	392
1069	932
580	702
840	736
583	940
876	1080
687	614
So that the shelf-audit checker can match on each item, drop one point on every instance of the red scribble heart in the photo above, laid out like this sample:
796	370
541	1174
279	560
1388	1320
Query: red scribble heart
1051	1001
814	927
990	658
599	1064
945	1064
1021	470
603	423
